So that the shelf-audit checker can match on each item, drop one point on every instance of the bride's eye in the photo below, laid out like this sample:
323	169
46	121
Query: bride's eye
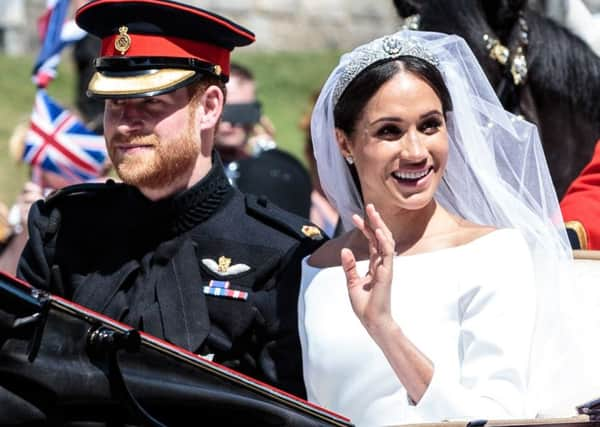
430	126
389	132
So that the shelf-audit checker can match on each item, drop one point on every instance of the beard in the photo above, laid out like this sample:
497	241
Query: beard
162	164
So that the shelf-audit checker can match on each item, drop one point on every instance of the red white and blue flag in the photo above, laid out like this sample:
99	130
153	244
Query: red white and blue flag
57	141
55	32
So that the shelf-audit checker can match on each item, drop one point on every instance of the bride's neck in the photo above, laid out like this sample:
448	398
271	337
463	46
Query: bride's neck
409	227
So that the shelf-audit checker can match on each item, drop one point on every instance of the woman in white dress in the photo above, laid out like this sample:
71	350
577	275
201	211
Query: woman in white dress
444	290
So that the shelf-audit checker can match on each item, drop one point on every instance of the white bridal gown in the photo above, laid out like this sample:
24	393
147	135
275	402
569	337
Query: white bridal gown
470	309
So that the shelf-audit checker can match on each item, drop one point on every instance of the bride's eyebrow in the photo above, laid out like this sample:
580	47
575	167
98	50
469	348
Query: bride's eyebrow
398	119
387	119
432	113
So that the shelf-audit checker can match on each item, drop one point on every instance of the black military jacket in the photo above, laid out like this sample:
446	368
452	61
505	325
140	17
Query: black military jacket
156	266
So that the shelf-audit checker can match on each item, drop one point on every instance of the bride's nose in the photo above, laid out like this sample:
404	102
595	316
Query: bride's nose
412	146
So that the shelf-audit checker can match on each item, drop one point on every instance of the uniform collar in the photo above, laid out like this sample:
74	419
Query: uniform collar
184	210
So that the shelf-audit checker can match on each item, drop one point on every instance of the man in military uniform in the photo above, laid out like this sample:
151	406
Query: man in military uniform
175	251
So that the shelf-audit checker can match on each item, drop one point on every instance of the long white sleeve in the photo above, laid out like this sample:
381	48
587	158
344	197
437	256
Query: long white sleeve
496	328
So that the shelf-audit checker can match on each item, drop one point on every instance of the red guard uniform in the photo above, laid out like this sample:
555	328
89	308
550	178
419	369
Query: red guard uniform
581	206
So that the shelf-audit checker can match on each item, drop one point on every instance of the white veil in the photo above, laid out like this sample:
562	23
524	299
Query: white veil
496	175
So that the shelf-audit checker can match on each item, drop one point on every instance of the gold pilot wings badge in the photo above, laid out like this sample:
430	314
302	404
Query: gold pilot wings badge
223	267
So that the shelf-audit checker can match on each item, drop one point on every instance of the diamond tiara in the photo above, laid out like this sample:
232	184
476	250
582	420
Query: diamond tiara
388	47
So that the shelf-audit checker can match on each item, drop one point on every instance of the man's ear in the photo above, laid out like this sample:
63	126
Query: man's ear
210	107
343	142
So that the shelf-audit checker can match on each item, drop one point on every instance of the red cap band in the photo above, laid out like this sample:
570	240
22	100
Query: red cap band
161	46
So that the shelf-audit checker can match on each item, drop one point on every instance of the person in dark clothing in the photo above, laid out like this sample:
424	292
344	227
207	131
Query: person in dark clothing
245	140
175	250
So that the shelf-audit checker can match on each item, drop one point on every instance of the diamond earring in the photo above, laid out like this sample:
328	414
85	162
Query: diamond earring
350	160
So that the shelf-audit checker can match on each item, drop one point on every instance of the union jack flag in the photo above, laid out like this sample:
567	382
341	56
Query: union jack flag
57	141
55	32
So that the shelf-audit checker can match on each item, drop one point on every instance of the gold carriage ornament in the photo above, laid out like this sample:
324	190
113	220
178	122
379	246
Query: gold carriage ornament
123	41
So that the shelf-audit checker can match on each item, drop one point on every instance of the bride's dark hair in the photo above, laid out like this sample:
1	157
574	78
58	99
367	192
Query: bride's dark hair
367	83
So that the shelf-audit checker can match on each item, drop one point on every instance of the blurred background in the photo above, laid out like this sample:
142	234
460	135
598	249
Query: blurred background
298	43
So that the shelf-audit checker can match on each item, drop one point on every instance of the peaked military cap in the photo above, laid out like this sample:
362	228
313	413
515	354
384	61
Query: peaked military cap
151	47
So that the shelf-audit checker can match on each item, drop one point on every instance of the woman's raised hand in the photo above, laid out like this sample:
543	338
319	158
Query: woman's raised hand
370	295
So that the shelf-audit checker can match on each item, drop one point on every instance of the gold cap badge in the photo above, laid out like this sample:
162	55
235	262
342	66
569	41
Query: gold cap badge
218	70
123	41
224	264
312	232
